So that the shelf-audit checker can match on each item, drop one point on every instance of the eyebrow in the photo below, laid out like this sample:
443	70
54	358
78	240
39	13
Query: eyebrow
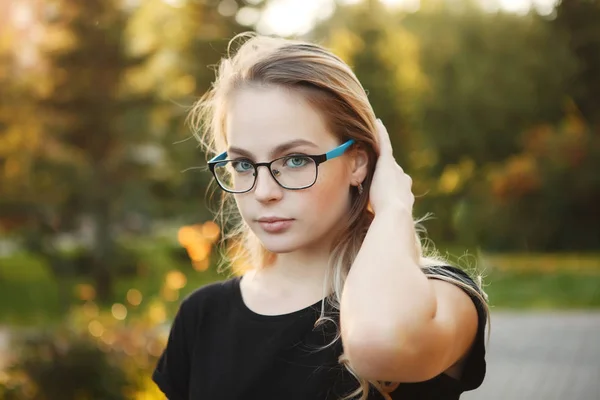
277	150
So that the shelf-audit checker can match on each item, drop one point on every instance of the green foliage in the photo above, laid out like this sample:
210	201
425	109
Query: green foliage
485	85
30	294
460	91
64	366
385	57
577	21
99	161
538	185
498	152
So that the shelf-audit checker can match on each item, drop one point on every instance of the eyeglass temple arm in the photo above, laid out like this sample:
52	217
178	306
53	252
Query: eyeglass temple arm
219	157
338	151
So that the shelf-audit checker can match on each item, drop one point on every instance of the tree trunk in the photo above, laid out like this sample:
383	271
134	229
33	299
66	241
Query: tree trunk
103	250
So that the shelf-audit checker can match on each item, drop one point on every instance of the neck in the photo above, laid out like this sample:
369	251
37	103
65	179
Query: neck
304	269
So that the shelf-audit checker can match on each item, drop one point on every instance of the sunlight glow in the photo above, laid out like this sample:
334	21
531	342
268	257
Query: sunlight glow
297	17
293	17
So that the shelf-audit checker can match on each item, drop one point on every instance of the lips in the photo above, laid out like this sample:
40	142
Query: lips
275	224
273	219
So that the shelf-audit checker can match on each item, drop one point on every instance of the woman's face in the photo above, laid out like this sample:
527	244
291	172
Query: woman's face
259	122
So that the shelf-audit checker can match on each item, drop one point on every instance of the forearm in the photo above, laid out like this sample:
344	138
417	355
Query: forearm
386	297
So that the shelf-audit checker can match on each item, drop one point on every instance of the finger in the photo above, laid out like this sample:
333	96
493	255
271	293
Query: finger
385	145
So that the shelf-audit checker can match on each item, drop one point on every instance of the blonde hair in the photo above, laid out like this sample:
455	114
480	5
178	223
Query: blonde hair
330	86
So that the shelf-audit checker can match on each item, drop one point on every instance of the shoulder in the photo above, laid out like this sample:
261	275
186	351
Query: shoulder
448	271
458	277
173	369
206	297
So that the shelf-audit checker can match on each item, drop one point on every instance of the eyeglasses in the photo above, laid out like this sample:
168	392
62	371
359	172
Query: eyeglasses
293	172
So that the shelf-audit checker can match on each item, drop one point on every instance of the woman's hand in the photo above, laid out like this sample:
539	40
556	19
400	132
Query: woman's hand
391	186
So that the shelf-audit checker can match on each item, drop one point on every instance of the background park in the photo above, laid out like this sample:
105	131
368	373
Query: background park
493	108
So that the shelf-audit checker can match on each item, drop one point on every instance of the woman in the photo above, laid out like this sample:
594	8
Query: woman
338	300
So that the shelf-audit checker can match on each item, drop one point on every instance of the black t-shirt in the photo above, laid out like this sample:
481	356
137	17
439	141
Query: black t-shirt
219	349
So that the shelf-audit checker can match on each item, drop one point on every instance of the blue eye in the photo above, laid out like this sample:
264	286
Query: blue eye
296	162
242	166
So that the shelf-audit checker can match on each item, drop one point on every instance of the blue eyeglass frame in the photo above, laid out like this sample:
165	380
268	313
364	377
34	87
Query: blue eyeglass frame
318	159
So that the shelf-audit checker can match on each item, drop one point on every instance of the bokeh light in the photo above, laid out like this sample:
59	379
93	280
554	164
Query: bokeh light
186	235
155	348
119	311
198	241
90	309
211	231
157	313
169	294
134	297
109	337
201	265
85	291
96	328
175	280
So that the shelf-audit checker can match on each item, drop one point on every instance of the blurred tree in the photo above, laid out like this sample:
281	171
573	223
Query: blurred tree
95	130
65	366
487	84
545	197
385	58
109	94
456	88
486	87
579	21
20	135
463	90
193	38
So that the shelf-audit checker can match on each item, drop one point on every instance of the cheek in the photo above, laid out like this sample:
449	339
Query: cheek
330	195
241	201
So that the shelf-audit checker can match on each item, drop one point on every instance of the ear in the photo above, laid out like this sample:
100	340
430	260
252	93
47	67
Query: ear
360	165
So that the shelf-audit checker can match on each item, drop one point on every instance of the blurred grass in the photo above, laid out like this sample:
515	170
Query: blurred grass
542	281
542	263
550	290
30	295
547	281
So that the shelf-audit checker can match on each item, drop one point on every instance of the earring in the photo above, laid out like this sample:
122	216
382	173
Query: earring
360	189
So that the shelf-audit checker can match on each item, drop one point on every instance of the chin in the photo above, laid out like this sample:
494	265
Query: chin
280	245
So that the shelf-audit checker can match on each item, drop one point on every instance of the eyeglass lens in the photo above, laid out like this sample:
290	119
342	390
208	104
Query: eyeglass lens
292	172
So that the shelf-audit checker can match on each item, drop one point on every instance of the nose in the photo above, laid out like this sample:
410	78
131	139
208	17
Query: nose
266	189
